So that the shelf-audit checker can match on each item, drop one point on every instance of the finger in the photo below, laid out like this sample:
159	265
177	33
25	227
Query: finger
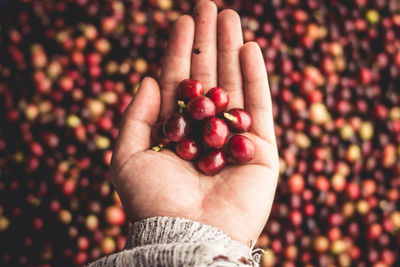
176	65
204	58
230	40
139	116
257	95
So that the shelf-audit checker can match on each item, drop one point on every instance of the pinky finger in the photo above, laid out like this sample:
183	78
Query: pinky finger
257	94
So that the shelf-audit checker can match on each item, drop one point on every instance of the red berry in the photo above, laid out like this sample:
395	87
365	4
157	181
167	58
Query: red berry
296	183
83	243
212	162
241	148
176	127
220	98
36	149
188	149
93	58
239	120
69	187
115	215
295	217
190	88
365	76
201	108
215	132
315	96
374	231
105	123
157	135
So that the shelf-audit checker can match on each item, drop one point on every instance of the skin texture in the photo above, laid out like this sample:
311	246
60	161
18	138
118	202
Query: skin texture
237	200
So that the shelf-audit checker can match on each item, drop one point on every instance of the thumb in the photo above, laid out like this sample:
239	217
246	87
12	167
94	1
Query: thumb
138	118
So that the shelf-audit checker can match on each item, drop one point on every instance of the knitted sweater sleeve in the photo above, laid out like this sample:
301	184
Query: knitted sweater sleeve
166	241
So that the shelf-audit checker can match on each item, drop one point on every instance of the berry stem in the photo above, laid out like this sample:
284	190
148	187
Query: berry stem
157	148
181	105
230	117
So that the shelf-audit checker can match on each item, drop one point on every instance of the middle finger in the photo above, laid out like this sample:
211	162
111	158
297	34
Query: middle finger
204	56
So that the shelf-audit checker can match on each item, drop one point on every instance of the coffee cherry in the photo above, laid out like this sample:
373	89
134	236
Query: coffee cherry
238	119
187	149
201	108
220	98
241	148
157	135
215	132
190	88
176	127
205	126
115	215
212	162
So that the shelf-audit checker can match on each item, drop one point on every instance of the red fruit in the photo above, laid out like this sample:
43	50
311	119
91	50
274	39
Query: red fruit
83	243
220	98
80	258
239	120
176	127
276	246
69	187
215	132
36	149
286	95
121	241
37	223
296	183
309	209
335	219
108	24
55	206
295	217
365	76
115	215
105	123
241	148
201	108
157	135
396	59
315	96
187	149
50	139
93	58
212	162
381	111
374	231
353	190
334	233
32	164
94	71
190	88
322	183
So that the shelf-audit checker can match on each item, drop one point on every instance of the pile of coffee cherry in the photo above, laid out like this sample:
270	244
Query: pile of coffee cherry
200	129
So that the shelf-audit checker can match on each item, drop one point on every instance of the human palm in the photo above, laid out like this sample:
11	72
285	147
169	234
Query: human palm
238	199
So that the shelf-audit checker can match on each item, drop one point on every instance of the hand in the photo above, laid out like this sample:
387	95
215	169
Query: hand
238	199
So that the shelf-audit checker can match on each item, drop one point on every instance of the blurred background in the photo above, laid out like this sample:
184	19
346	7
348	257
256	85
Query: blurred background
69	68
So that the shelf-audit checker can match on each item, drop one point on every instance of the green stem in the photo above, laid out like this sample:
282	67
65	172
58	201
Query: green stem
157	148
230	117
181	105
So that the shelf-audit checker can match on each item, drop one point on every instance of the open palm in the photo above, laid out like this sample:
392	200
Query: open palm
238	199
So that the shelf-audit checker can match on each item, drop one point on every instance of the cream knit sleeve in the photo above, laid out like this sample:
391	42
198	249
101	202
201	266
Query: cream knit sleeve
166	241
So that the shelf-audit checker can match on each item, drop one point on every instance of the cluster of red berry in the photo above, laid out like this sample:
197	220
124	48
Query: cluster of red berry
199	130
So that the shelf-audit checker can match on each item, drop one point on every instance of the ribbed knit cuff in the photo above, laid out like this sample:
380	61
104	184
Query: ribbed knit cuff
163	230
166	241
